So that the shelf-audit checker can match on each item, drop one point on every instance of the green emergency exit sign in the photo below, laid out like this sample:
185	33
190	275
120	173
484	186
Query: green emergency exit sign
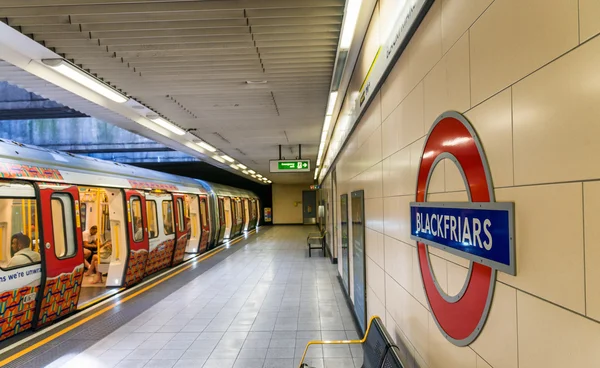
290	165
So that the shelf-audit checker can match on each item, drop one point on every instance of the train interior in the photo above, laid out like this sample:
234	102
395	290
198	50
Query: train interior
191	210
227	210
18	216
105	247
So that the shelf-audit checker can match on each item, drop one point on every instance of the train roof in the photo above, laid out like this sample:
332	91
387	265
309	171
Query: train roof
28	162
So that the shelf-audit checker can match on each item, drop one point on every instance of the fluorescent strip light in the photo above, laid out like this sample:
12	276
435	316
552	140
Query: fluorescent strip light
350	19
252	171
242	166
326	123
207	146
258	176
228	158
245	172
324	136
269	181
254	176
169	126
218	158
78	75
331	103
234	167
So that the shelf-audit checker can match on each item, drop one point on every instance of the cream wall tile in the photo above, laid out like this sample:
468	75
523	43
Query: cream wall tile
396	174
514	37
389	137
448	355
397	302
549	242
426	44
555	113
416	151
457	17
411	126
501	325
482	363
550	336
398	262
417	322
591	205
417	290
457	275
449	257
375	307
373	213
440	271
492	121
589	11
397	85
375	278
453	178
392	215
437	180
447	85
373	184
375	246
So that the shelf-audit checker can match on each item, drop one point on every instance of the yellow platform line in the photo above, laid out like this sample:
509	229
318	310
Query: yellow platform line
106	309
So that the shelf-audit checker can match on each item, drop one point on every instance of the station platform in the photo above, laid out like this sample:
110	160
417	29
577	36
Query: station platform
253	303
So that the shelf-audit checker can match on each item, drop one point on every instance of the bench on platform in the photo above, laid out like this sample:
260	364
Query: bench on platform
379	350
316	239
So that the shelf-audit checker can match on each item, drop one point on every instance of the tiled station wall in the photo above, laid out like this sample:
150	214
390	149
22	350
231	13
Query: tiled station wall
526	73
287	203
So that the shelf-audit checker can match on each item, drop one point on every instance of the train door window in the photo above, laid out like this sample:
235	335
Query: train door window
152	223
83	214
19	244
62	225
203	212
222	210
167	213
136	221
180	214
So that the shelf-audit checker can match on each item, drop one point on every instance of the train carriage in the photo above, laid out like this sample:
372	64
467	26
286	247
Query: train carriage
73	228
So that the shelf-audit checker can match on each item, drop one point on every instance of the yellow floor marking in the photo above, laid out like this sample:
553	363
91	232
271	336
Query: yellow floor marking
106	309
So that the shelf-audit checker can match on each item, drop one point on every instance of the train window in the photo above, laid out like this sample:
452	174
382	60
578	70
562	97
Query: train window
136	222
203	212
180	214
62	225
83	214
151	215
22	248
167	213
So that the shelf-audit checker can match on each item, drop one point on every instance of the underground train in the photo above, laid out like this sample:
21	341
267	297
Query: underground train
74	227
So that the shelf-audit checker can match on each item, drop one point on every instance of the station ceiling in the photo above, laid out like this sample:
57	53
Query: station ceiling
248	75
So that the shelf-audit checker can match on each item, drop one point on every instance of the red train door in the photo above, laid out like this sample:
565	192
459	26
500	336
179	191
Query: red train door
62	252
137	229
204	224
181	229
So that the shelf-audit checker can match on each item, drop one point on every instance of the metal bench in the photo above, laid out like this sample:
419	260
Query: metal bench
379	350
316	239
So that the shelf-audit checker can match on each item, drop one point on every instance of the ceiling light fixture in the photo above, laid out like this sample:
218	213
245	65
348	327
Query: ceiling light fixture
330	105
218	158
350	20
252	171
85	79
269	181
228	158
166	124
245	172
258	176
242	166
326	123
254	176
234	167
206	146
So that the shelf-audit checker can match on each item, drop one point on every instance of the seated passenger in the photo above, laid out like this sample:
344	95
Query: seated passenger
139	230
105	252
90	238
168	226
22	254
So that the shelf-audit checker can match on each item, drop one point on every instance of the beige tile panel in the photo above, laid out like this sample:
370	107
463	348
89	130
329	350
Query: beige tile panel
398	262
375	246
482	363
514	37
447	85
589	12
555	124
552	337
417	319
440	271
397	302
492	121
453	178
457	17
591	205
417	290
373	213
375	278
549	242
408	119
437	180
398	85
370	121
416	151
389	138
444	354
373	181
397	174
400	338
501	326
457	275
426	44
397	218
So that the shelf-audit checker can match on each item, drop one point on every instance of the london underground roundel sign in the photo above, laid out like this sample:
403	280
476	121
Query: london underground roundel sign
481	230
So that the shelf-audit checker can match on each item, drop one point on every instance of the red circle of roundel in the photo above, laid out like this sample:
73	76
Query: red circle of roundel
460	320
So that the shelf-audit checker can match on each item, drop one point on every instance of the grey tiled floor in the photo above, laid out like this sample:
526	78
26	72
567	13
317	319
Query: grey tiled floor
257	308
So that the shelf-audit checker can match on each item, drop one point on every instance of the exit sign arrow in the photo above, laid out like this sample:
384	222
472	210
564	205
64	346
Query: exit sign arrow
289	165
